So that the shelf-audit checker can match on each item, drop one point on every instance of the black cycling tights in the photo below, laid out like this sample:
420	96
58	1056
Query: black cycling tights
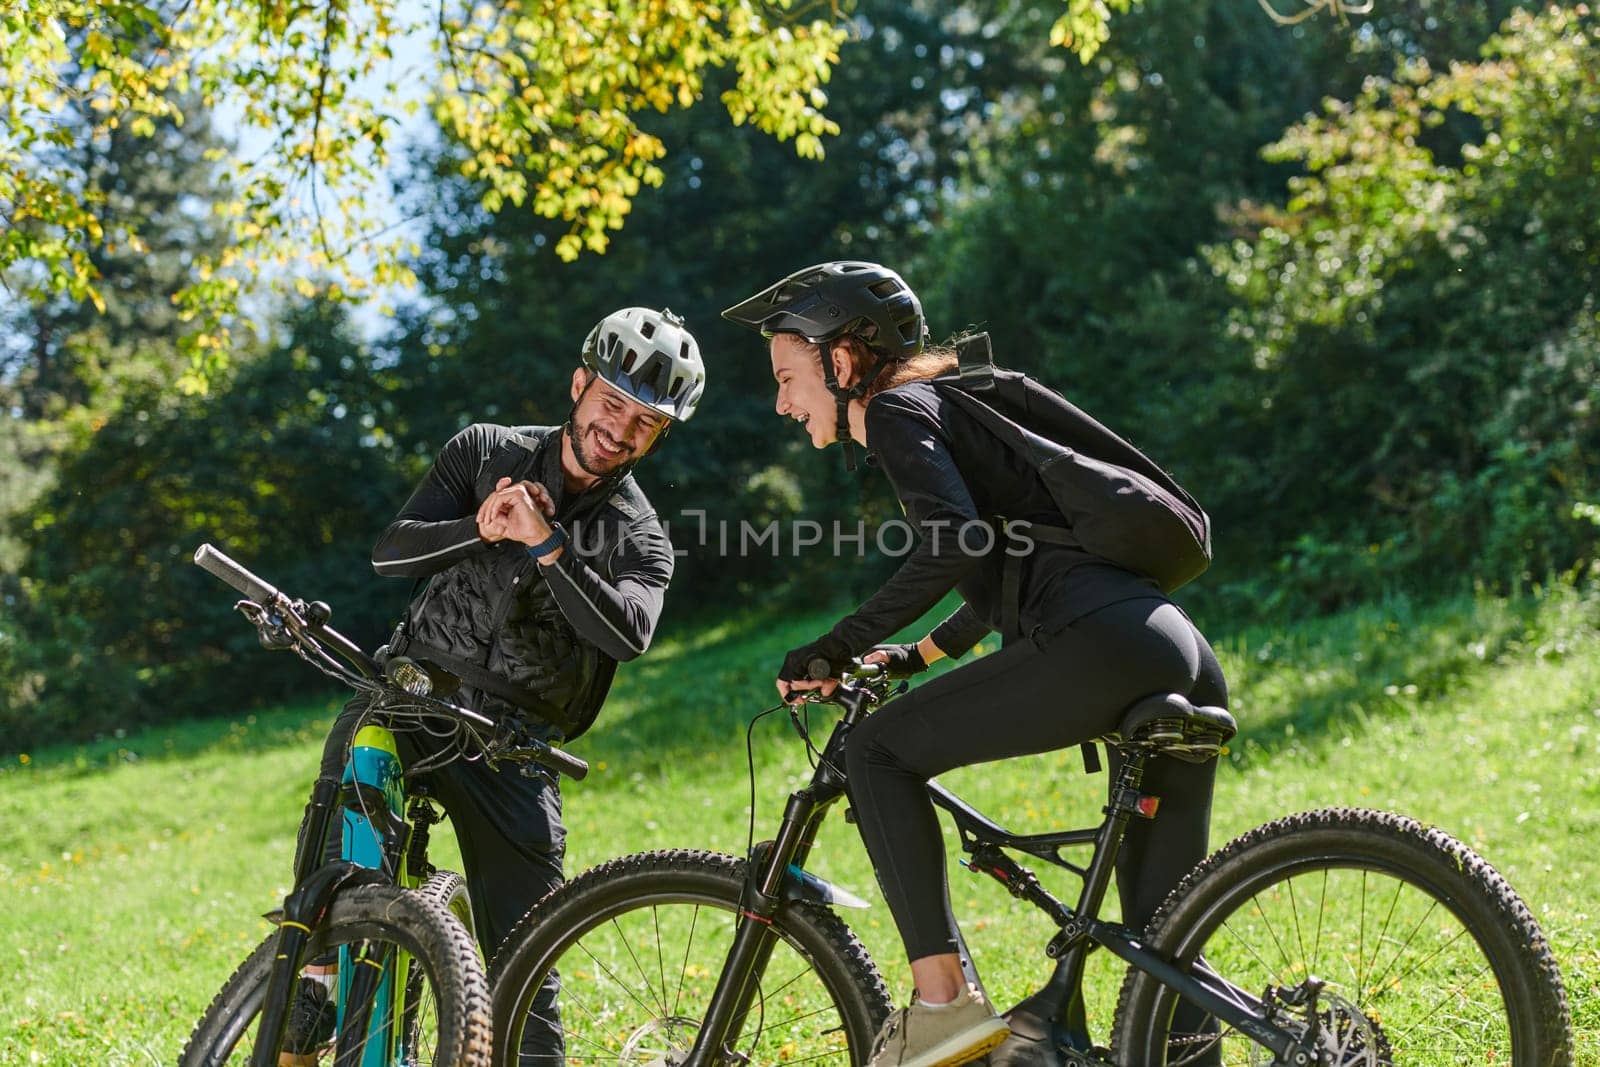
1029	698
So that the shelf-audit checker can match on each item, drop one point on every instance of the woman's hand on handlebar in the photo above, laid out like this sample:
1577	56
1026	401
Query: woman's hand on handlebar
813	666
794	692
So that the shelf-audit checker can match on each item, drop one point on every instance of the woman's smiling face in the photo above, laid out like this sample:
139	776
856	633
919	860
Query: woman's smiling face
802	393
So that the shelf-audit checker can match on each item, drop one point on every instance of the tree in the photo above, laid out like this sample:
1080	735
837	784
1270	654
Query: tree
1415	328
286	464
497	332
543	95
66	362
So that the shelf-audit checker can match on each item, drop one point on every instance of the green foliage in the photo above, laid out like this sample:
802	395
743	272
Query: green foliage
1418	323
503	309
545	100
1369	352
289	469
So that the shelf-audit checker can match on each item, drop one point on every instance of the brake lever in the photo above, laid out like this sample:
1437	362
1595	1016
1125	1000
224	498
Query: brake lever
271	629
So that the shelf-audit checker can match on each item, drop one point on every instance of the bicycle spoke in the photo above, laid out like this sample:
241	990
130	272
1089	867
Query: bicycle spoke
1316	945
661	964
639	966
683	970
1420	951
801	1010
1272	932
613	976
1249	946
1361	945
1377	982
1294	913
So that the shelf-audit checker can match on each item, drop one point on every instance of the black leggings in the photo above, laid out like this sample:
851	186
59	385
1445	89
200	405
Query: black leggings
1033	697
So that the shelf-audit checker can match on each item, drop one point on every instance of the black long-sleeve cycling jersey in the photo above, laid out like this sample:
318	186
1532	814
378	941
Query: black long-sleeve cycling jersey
493	605
438	527
955	479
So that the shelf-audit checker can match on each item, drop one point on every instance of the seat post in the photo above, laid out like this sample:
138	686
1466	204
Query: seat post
1119	808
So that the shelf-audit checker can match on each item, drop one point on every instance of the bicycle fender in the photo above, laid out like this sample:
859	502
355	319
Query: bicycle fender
803	885
309	901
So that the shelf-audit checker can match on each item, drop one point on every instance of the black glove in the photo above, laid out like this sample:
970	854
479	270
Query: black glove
797	664
904	660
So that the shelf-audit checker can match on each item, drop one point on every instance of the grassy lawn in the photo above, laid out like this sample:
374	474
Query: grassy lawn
132	872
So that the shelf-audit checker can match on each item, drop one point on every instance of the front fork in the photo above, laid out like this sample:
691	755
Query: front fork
754	939
373	839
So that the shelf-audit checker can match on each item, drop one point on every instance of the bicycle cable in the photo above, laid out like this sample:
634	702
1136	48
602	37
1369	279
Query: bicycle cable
750	843
750	764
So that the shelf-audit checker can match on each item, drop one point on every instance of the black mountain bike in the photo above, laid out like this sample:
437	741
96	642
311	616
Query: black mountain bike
1336	937
373	962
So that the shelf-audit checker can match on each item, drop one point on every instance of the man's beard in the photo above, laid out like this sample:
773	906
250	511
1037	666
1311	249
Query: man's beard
587	459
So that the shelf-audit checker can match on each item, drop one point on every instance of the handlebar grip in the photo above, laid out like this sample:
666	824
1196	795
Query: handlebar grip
818	669
253	588
565	762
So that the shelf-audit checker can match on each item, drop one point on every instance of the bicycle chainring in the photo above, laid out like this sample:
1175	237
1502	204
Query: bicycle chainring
1346	1037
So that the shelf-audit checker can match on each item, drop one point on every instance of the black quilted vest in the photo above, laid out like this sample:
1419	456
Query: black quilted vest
494	608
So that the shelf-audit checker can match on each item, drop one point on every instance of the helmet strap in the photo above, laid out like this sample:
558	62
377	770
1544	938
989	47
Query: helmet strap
842	398
569	429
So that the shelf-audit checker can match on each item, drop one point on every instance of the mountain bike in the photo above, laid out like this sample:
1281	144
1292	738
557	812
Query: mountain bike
1340	937
373	962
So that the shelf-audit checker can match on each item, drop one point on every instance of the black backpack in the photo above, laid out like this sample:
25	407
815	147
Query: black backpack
1117	503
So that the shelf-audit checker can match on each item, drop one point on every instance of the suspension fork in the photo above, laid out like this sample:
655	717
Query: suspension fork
754	939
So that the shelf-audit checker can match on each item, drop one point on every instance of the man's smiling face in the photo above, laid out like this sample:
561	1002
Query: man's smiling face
609	428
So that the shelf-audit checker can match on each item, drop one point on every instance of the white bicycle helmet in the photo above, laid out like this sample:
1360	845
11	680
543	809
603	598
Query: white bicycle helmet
651	356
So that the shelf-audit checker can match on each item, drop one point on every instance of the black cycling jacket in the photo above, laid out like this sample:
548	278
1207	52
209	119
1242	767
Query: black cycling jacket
556	631
955	479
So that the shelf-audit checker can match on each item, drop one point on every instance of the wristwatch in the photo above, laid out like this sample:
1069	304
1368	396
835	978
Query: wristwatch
557	538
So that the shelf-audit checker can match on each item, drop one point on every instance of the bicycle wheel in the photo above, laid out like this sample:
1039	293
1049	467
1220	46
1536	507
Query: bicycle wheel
1428	956
449	889
639	943
443	1002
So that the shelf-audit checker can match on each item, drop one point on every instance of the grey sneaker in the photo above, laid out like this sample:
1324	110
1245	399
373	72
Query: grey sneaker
942	1036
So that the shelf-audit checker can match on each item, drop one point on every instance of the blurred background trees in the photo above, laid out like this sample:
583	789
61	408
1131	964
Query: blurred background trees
1339	278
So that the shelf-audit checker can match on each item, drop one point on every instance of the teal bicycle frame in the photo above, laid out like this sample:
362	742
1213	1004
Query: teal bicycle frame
373	789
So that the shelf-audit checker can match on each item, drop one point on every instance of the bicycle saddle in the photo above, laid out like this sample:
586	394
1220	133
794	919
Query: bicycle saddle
1169	724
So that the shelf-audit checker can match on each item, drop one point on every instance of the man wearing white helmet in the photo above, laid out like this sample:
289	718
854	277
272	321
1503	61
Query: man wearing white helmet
545	566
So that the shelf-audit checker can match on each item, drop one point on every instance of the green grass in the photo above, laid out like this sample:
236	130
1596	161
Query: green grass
132	872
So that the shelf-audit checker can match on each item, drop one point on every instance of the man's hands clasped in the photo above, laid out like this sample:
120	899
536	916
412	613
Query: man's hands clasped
518	511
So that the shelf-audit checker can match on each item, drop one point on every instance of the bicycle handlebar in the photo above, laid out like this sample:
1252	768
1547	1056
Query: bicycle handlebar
254	589
563	761
249	585
869	678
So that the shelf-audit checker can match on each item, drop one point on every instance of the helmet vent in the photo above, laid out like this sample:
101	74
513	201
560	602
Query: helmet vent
677	387
628	361
886	288
648	329
683	350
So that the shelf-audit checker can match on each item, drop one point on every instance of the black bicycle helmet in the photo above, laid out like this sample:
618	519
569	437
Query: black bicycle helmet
829	300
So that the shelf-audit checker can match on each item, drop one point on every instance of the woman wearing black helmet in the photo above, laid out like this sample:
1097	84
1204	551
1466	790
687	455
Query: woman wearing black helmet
1083	637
